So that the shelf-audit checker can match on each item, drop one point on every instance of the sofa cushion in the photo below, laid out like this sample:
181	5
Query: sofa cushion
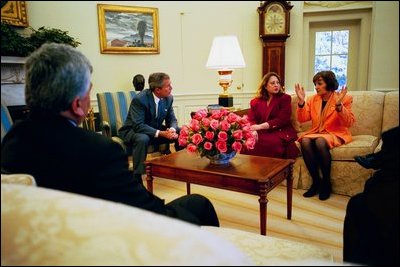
390	111
361	145
48	227
271	251
368	110
295	123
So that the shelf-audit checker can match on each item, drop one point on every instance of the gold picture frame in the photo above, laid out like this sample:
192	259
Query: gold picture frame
14	13
128	29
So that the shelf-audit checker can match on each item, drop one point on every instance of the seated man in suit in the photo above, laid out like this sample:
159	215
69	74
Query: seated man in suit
144	123
138	82
60	155
371	225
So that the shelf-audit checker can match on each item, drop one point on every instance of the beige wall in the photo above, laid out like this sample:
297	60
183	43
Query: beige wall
384	60
186	32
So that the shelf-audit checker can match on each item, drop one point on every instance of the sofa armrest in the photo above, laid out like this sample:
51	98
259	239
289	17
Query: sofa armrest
379	146
22	178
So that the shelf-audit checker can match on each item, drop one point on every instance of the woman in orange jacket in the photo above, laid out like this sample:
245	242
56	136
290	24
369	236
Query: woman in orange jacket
331	116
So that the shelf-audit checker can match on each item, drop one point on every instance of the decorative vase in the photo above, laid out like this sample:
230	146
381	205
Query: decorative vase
221	158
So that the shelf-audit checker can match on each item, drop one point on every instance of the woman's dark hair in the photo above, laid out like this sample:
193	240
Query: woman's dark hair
329	78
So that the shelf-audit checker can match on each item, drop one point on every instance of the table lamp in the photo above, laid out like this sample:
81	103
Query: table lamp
225	55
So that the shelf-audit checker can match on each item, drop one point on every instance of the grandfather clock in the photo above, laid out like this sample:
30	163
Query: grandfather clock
274	30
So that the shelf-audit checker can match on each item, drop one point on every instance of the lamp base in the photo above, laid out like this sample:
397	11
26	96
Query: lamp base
225	100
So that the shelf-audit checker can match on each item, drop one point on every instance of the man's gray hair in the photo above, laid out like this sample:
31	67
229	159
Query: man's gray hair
55	75
156	80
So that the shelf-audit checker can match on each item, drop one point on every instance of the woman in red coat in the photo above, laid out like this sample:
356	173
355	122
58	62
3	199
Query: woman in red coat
269	115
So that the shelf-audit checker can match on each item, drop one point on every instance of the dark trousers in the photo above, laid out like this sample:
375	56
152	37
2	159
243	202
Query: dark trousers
370	239
195	209
140	145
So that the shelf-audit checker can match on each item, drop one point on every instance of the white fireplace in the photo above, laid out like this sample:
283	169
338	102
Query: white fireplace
13	80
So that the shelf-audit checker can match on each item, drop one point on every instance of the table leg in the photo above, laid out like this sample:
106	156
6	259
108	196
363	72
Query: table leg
188	188
149	179
263	210
289	191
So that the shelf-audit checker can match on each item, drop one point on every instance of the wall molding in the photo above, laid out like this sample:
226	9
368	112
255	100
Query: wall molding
186	103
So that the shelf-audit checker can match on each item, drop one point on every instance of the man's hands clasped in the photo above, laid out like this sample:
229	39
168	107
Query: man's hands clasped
170	134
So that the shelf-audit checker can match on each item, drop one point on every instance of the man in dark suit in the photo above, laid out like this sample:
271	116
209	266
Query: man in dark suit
371	225
50	146
144	123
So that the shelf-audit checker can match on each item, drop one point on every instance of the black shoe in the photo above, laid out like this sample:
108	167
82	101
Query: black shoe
367	161
312	191
325	190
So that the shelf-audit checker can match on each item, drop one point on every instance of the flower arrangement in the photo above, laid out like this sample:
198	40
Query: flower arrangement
218	132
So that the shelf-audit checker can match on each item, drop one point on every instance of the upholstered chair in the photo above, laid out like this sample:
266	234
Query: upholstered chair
113	109
6	121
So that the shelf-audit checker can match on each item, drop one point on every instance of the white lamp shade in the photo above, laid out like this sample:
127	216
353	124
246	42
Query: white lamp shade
225	53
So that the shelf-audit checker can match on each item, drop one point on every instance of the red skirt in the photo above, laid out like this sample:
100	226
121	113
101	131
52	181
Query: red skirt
271	145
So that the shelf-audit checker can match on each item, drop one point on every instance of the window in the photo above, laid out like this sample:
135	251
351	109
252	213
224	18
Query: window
337	41
334	47
332	53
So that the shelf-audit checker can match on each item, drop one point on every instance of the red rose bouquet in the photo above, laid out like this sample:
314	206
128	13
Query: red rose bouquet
218	132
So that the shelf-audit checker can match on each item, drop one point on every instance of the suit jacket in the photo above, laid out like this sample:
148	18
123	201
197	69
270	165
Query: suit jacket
142	116
65	157
329	121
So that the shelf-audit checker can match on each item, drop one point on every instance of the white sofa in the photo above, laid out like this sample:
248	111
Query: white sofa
41	226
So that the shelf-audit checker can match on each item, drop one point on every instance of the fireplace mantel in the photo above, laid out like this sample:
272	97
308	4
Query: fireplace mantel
13	86
12	70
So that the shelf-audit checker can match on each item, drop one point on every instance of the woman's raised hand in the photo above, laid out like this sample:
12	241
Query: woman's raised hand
340	95
301	94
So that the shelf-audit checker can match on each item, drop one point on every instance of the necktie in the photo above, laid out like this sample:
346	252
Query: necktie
160	107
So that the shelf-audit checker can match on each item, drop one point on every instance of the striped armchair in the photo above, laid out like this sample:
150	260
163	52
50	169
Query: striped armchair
113	109
6	121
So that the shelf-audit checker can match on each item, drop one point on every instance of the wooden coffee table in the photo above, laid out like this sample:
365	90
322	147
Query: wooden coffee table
247	174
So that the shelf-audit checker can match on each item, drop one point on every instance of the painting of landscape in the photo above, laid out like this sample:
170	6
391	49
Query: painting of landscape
126	29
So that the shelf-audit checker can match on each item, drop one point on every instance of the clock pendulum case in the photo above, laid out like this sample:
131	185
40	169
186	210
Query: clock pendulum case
274	18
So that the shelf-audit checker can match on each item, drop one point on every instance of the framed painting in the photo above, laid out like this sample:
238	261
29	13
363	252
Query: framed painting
128	29
14	13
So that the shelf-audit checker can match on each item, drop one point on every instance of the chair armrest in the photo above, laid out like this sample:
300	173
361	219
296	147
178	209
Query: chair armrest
119	141
242	112
106	128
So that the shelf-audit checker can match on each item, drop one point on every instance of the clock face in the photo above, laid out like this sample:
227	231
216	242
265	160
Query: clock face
275	20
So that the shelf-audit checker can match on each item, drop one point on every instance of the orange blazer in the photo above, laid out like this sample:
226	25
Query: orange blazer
329	121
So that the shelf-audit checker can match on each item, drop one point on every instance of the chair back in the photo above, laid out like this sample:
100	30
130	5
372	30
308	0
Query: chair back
6	121
113	108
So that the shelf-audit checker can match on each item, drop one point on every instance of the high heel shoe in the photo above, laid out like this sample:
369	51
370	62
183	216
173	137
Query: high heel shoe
325	190
312	191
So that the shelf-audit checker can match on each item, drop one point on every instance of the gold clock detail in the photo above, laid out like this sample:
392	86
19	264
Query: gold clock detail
275	20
